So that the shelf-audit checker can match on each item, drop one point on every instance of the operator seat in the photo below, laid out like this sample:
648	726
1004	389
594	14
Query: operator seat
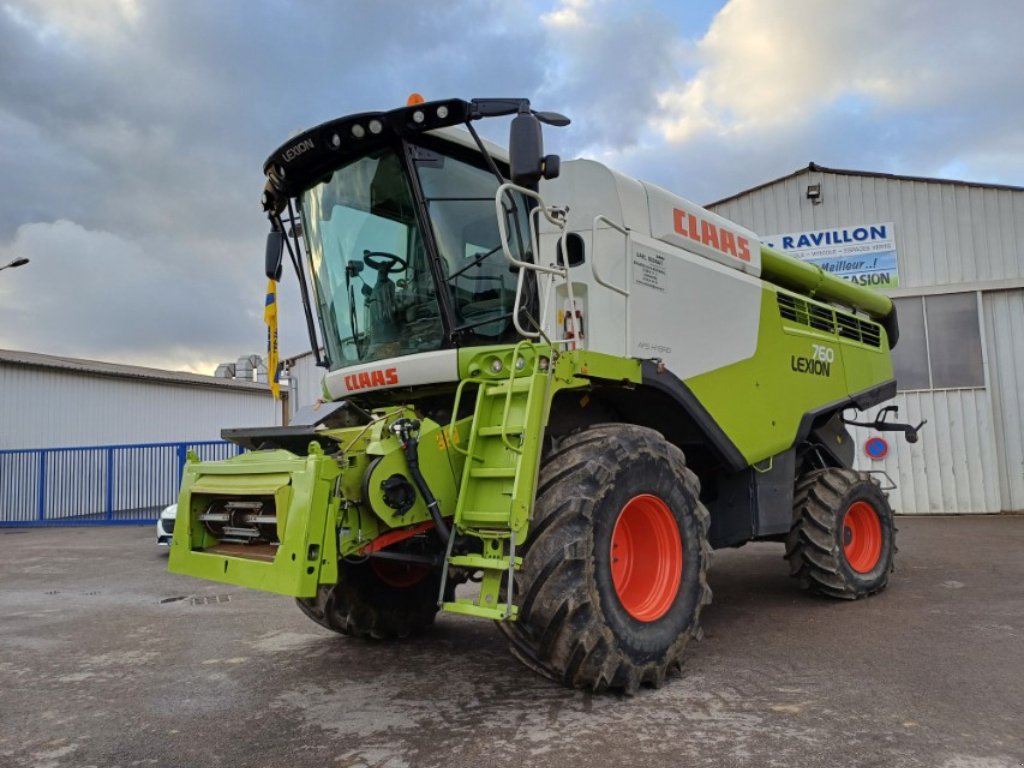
382	310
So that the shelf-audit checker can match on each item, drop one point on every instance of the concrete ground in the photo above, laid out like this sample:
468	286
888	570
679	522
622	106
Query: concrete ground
107	660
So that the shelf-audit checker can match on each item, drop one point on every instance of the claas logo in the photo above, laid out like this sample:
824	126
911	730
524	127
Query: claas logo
711	235
382	377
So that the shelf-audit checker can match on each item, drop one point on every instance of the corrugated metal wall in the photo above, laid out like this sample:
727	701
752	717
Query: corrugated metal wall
1004	333
44	407
305	382
948	236
953	467
945	233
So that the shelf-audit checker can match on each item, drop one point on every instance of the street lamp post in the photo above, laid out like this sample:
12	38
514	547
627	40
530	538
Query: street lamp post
19	262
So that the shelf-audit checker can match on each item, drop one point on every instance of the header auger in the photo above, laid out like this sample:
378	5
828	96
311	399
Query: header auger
552	390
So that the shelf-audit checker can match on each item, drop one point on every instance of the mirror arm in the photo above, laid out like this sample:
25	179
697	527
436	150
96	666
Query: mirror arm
294	254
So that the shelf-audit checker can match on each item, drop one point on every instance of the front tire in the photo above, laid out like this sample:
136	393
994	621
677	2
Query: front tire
376	599
843	539
614	574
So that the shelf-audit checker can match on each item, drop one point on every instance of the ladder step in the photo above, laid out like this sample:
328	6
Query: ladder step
521	384
484	519
492	473
469	608
481	563
512	429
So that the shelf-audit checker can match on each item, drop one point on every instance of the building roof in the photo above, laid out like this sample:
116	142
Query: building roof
289	361
117	370
814	167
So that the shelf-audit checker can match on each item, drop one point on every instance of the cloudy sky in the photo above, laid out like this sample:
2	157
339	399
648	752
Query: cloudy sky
132	132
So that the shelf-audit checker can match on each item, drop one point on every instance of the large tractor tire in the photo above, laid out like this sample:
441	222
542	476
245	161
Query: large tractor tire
843	539
614	574
378	599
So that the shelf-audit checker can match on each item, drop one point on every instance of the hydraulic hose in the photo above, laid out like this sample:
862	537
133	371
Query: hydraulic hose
406	430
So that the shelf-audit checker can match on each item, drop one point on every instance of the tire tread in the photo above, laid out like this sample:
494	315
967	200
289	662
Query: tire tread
812	546
560	632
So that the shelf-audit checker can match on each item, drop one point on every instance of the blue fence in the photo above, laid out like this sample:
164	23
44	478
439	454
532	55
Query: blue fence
96	485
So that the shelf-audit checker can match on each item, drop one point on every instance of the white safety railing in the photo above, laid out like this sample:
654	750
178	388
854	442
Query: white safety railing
547	273
624	290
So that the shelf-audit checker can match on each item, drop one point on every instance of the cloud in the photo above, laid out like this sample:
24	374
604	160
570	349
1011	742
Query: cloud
117	299
612	58
140	129
132	134
770	63
920	88
568	15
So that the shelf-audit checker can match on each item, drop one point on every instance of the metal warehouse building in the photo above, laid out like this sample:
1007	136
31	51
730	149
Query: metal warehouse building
45	399
88	442
950	254
305	381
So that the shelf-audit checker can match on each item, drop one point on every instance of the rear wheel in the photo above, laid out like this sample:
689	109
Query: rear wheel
843	539
614	574
379	599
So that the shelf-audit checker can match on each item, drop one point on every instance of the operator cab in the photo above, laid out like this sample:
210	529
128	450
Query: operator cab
376	284
400	229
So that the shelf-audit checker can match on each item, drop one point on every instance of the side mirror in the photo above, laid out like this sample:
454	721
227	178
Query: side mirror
527	162
526	150
275	253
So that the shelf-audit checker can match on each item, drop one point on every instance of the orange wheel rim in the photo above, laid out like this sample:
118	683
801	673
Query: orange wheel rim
646	558
862	537
399	574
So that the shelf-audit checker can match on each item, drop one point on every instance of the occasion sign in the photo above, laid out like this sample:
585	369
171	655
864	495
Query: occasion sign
863	254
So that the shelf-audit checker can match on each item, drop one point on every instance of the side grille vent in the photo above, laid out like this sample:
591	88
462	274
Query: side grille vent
825	319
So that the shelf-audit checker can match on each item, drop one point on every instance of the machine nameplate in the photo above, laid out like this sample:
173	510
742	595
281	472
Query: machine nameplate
649	269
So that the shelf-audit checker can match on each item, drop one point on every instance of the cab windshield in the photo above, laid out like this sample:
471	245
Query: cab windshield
375	288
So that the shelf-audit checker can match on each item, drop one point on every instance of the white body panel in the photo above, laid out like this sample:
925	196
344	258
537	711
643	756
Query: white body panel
409	371
671	288
694	314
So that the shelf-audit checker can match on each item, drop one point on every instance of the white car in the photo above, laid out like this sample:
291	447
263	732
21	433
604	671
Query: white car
165	525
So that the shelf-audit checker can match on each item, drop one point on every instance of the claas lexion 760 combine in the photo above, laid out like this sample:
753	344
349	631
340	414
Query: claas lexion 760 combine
558	382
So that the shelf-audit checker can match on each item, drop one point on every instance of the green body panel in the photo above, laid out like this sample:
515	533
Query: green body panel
813	281
326	505
759	402
441	466
306	510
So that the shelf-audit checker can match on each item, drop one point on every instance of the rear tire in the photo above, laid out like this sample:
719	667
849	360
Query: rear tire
372	601
614	574
843	539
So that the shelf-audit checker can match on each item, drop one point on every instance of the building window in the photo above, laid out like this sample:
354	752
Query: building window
940	342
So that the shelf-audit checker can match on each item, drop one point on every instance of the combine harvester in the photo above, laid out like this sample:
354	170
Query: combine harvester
557	381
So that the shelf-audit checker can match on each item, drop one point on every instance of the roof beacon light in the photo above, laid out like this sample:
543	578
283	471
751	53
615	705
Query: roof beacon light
414	99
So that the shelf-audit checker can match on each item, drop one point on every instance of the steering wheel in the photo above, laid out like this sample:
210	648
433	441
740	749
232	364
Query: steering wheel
385	263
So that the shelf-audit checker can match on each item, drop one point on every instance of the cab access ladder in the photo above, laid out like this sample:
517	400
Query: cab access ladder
499	479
